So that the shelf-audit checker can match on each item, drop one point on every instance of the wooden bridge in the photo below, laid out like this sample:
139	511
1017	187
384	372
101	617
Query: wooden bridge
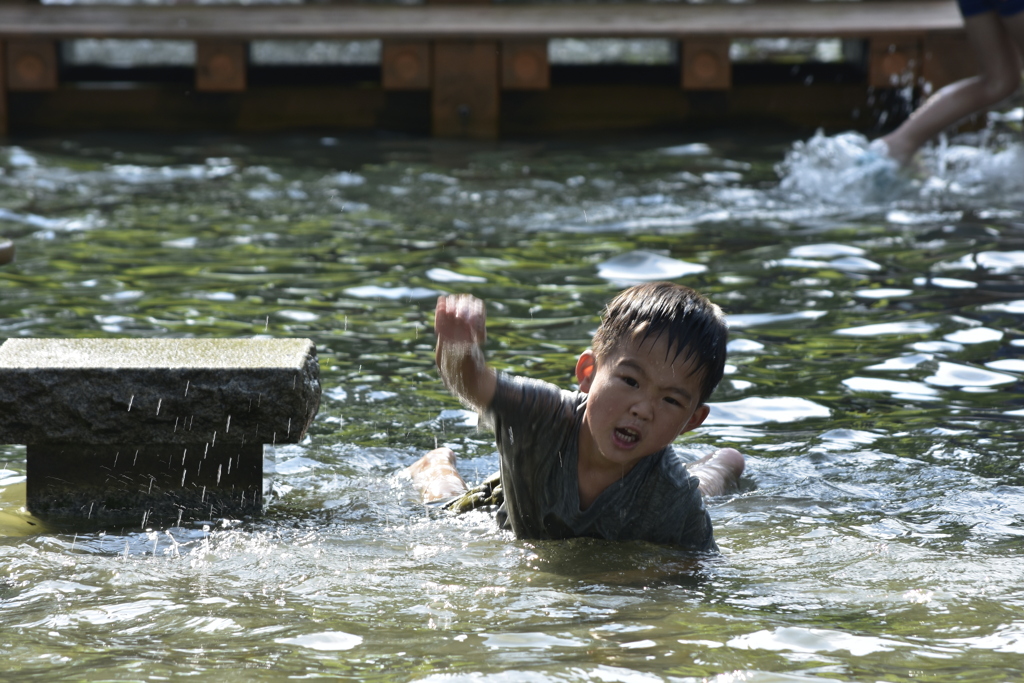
474	70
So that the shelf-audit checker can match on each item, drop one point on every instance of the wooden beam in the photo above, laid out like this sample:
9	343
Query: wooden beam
947	58
706	65
465	99
31	65
312	21
405	65
220	66
894	62
524	65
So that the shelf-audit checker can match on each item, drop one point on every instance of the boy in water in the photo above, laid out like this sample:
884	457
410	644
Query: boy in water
597	462
995	30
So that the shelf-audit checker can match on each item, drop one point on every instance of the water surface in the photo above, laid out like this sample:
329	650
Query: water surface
874	383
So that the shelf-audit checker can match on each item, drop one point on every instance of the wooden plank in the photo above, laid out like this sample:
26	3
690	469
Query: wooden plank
220	66
894	62
465	98
405	65
524	65
947	58
149	108
562	109
31	65
705	64
855	19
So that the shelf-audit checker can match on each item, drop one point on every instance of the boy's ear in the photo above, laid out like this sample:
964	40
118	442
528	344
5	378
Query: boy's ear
697	419
585	368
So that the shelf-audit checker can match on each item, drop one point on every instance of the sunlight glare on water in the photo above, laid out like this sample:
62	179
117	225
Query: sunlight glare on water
873	382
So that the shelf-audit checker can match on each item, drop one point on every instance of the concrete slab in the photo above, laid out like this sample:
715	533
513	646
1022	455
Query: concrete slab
157	391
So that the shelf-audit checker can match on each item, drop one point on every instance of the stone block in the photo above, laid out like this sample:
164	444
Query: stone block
157	391
152	484
153	430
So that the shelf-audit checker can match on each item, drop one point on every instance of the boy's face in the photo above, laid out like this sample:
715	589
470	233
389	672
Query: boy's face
640	398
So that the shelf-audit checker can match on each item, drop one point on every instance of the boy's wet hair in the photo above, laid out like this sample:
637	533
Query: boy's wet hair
694	326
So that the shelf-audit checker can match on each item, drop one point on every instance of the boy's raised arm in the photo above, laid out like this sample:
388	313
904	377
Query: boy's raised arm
461	325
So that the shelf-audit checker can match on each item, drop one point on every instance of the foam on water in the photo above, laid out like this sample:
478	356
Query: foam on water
849	170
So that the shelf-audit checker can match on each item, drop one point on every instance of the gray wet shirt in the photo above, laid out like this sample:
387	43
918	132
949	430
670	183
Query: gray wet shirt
536	427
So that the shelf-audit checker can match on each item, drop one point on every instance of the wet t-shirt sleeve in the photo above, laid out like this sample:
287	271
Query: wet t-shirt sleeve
535	429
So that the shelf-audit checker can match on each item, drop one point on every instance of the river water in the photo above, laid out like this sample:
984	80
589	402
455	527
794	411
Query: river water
874	385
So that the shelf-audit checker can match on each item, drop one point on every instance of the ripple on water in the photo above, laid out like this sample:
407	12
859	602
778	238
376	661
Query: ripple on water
326	641
900	389
956	375
974	335
884	329
803	640
1015	307
945	283
744	320
643	266
760	410
392	293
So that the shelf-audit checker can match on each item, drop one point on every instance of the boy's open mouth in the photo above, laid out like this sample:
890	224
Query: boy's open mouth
627	435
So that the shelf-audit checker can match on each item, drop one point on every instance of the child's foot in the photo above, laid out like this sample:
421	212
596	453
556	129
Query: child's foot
435	476
718	472
891	149
6	251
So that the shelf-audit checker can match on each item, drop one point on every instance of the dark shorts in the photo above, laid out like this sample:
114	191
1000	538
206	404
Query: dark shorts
1006	8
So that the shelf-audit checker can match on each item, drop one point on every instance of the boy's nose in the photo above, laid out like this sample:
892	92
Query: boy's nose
642	409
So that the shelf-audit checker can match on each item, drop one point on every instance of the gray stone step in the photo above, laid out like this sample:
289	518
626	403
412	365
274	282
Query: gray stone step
123	428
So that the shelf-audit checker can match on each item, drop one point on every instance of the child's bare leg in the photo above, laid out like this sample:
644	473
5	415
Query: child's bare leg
993	43
435	477
719	471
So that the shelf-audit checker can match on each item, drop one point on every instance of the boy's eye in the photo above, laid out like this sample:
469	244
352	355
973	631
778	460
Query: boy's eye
673	401
630	381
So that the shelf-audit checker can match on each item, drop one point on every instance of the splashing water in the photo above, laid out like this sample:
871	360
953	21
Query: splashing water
843	169
848	170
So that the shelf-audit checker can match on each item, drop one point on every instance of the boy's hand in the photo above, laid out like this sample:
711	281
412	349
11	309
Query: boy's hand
461	325
460	319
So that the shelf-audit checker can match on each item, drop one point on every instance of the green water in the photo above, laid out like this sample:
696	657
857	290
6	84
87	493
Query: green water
876	534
